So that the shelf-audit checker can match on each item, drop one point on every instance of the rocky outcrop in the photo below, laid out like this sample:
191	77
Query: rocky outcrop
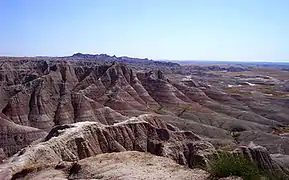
266	140
60	93
2	155
281	160
129	165
100	88
15	137
134	165
146	133
231	178
263	159
257	154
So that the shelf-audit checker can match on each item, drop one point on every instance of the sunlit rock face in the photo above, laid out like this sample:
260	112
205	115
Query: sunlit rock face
36	95
145	133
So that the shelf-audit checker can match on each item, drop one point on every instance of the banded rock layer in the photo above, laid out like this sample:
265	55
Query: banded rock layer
43	94
145	133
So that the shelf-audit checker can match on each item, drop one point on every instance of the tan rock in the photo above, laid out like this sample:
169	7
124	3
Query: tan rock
146	133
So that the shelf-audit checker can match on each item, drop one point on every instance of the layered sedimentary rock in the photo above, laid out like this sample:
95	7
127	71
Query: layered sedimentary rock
264	160
2	155
66	111
14	137
128	165
145	133
43	94
76	150
257	154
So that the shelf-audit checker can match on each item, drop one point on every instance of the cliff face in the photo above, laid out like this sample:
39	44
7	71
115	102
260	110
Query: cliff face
135	165
128	165
145	133
70	111
76	150
39	95
14	137
42	94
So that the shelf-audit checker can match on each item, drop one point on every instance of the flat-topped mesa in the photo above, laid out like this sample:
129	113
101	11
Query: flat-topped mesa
145	133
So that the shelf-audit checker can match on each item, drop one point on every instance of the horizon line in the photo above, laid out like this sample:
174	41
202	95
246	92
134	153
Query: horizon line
181	60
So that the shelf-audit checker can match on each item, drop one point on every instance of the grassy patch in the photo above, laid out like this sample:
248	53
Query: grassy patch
277	175
227	164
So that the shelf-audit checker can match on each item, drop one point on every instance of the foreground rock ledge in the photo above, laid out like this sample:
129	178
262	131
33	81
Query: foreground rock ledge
123	165
145	133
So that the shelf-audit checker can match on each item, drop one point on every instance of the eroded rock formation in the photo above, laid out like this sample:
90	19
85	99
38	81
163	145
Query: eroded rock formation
145	133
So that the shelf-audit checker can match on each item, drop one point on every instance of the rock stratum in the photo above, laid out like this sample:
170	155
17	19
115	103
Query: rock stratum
145	133
91	150
122	165
71	108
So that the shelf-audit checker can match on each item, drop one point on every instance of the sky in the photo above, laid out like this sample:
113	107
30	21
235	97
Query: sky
241	30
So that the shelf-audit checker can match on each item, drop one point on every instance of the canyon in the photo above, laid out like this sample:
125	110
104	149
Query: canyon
68	111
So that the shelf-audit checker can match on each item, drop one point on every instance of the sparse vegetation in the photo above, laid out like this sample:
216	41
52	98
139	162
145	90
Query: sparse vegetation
183	110
207	100
235	136
227	164
281	130
235	132
277	175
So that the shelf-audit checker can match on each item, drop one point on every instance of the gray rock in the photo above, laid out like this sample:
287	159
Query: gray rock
145	133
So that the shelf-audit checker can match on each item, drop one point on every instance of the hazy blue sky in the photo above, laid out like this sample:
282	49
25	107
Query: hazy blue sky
157	29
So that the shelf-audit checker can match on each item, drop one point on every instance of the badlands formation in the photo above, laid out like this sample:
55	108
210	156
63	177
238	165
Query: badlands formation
103	117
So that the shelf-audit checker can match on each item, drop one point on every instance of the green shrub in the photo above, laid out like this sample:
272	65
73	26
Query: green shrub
276	175
227	164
